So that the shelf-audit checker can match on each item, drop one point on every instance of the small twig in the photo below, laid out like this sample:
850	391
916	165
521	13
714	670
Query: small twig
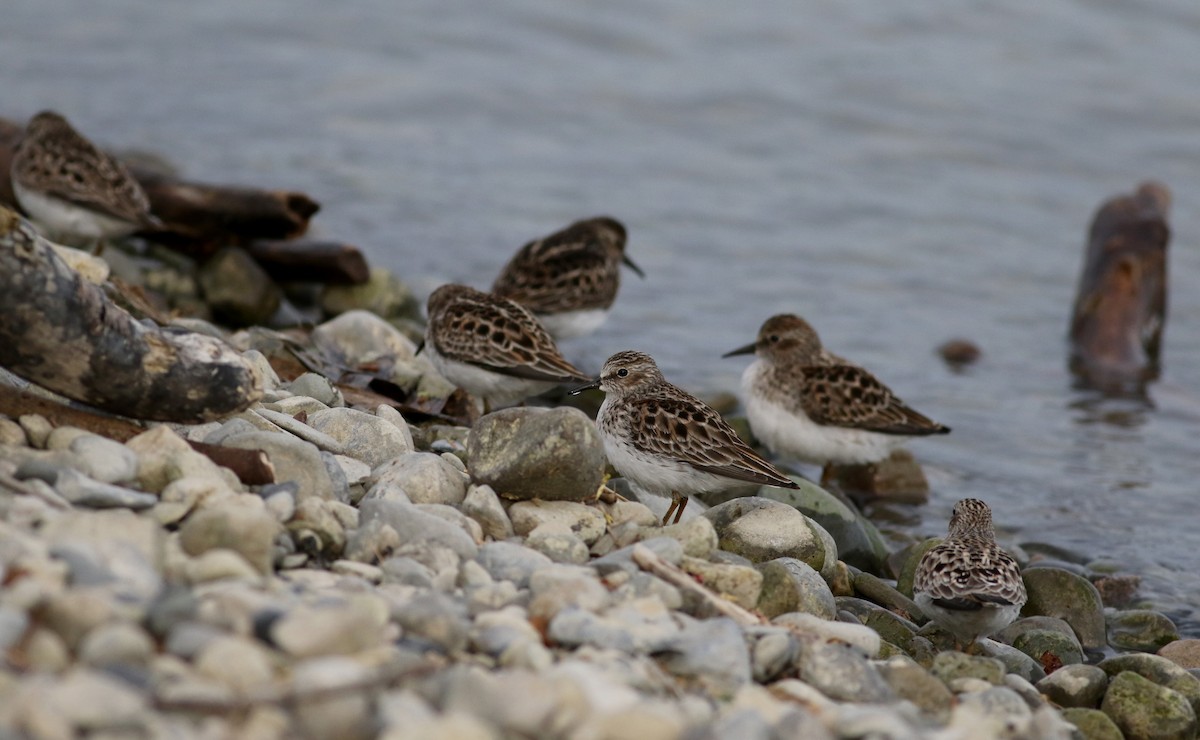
49	495
650	562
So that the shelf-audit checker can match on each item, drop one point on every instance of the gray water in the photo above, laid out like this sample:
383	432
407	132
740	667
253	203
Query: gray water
898	173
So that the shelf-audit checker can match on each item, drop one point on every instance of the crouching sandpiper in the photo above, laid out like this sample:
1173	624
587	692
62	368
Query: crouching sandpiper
967	584
492	347
570	278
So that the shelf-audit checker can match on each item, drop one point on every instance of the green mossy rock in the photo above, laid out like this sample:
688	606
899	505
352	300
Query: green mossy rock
1159	670
1054	592
1039	644
383	294
1093	724
1142	630
1143	709
904	583
952	664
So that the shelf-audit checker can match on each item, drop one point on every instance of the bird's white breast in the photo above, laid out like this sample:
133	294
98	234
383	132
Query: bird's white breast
792	434
654	473
64	220
569	324
495	388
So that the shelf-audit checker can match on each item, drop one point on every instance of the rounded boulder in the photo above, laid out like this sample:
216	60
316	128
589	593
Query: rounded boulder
533	453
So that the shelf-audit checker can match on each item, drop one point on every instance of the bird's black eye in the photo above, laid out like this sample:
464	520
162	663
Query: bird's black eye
773	338
622	373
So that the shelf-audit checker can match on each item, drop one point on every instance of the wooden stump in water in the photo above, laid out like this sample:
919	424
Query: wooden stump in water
1121	302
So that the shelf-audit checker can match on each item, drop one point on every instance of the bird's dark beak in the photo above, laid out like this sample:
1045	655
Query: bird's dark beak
629	263
576	391
747	350
420	346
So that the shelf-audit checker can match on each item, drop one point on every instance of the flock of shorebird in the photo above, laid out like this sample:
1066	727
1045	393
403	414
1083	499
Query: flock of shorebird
802	401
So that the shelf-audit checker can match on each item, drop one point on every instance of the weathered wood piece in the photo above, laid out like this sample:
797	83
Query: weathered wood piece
9	134
252	467
198	218
15	403
1121	301
63	333
307	260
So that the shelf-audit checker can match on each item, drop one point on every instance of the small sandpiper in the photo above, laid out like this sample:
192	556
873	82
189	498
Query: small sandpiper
666	440
569	278
803	401
71	189
967	584
492	347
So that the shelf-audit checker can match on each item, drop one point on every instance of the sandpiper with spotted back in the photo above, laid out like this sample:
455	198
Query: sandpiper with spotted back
570	278
805	402
492	347
967	584
73	191
666	440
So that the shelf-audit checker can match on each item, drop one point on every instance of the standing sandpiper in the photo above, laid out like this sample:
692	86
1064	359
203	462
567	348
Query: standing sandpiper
71	189
967	584
668	441
805	402
570	278
492	347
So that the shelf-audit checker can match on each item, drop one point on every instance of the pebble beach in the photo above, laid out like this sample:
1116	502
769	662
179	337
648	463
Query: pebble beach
421	579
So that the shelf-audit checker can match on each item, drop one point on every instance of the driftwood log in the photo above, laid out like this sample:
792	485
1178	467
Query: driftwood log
307	260
1121	301
63	333
199	219
252	467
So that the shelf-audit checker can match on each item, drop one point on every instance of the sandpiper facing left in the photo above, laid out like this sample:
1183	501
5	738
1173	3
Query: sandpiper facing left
967	584
666	440
805	402
71	189
492	347
569	278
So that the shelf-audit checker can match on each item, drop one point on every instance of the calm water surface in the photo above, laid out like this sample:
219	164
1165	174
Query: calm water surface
898	175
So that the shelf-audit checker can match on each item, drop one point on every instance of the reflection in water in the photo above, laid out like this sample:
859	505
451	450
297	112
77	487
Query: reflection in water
1108	446
1126	412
